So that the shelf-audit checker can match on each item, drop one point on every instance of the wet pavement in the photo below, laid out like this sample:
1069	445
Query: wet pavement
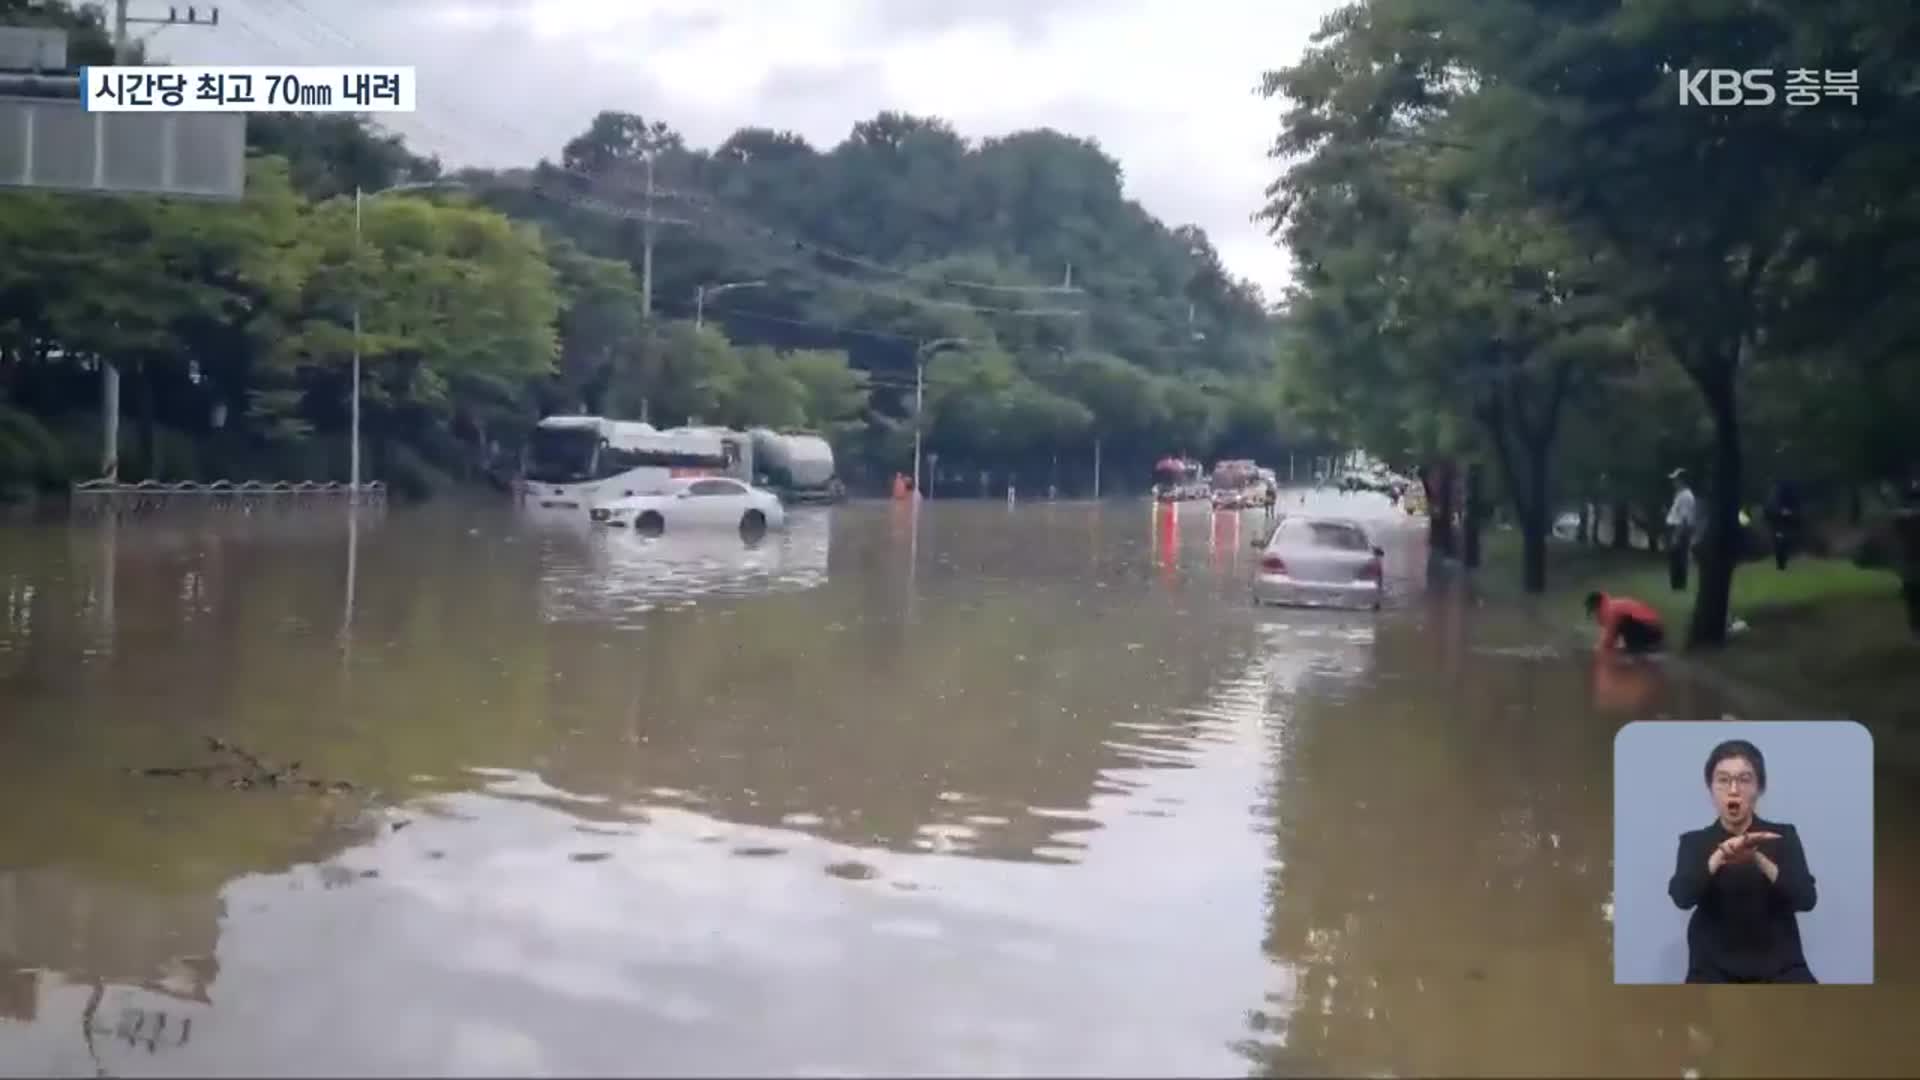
1028	790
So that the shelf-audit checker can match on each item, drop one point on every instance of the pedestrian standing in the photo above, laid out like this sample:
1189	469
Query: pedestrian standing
1681	516
1906	538
1783	520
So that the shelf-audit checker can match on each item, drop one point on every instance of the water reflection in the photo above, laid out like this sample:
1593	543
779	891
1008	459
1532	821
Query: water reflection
506	931
1439	902
611	574
1028	790
1622	685
353	580
109	575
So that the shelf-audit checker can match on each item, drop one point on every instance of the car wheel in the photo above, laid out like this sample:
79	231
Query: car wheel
650	524
753	524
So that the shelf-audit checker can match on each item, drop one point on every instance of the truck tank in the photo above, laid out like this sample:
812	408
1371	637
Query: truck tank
799	463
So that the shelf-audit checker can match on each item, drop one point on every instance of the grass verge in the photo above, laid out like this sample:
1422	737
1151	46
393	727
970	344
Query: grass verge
1823	634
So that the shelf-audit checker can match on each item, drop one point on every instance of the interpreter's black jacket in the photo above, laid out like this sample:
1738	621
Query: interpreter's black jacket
1743	927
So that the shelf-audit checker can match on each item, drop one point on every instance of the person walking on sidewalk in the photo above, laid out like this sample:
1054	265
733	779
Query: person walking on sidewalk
1680	524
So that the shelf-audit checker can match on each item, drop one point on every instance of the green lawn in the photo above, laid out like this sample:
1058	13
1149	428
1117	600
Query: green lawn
1824	634
1761	593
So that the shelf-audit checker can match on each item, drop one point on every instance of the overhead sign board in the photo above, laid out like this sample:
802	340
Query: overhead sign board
55	144
32	48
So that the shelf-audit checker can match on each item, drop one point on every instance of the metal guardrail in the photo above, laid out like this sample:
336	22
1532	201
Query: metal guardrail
375	490
37	85
248	497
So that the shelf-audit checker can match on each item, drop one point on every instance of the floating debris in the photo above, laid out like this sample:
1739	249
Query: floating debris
246	771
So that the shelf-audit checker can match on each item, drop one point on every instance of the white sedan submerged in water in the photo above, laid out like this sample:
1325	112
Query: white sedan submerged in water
689	503
1314	560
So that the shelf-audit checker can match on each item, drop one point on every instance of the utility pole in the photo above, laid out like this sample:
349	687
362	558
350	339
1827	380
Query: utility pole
353	465
648	220
1096	467
646	247
359	294
919	407
109	372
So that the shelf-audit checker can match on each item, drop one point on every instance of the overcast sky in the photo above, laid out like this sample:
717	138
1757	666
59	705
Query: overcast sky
1166	86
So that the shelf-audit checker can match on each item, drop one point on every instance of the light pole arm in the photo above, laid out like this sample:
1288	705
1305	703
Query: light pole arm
701	292
920	397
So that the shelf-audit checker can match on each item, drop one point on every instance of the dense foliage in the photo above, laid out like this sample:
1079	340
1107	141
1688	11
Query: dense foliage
1052	312
1515	243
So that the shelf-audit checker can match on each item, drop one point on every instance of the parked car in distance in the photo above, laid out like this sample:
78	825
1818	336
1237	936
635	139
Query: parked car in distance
694	502
1320	561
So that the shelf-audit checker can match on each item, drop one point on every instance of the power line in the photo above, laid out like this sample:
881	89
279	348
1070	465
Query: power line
729	311
299	8
434	135
812	324
298	16
717	205
630	213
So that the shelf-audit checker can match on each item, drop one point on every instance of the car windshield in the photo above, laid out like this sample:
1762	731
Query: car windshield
1333	535
561	455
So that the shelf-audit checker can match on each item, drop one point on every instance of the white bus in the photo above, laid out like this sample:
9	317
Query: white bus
575	462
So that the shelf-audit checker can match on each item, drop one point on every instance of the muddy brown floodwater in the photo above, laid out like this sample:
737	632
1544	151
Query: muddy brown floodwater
1024	790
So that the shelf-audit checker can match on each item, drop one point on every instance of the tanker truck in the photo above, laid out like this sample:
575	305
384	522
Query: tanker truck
797	465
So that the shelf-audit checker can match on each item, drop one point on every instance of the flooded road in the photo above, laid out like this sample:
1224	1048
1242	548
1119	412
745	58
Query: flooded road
993	790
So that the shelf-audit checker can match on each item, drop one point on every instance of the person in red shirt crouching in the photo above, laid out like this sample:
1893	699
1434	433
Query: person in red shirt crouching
1625	623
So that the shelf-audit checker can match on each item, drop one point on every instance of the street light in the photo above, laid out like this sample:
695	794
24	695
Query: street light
701	293
920	396
353	479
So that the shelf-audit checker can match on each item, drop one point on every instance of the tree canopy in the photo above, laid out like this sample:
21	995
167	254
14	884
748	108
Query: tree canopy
1516	241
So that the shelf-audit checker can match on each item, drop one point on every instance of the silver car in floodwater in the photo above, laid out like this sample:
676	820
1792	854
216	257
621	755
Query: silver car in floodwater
1319	561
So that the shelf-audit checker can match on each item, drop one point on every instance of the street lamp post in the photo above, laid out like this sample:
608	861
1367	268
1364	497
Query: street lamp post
353	479
920	396
701	293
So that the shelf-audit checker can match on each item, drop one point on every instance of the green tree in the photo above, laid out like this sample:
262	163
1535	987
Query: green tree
1715	216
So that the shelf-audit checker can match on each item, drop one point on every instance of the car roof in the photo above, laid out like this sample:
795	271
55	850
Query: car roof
1318	519
1322	519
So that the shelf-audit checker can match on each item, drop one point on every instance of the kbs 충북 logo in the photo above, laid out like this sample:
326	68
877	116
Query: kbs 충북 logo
1800	87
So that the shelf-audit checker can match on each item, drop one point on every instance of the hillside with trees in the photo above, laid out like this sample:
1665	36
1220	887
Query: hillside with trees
786	285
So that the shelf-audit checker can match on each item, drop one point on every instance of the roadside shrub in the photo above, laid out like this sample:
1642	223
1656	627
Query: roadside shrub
32	458
409	475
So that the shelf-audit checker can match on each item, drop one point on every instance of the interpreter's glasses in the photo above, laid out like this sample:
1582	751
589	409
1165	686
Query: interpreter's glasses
1743	782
